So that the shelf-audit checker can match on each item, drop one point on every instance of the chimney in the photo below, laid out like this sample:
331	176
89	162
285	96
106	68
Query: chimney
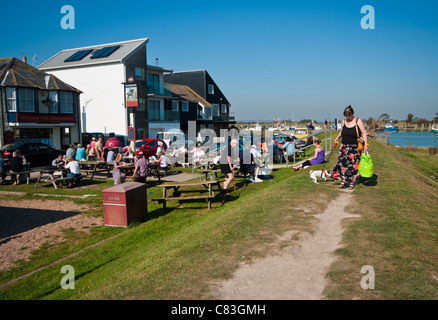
24	59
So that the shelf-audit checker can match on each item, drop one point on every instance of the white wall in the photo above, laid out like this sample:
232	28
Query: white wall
102	85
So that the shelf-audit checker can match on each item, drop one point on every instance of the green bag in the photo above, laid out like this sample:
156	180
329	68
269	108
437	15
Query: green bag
366	167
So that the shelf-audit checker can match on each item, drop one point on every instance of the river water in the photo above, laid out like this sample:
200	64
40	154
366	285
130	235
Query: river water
419	139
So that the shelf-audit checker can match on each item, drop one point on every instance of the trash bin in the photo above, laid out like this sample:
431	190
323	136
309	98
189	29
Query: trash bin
124	203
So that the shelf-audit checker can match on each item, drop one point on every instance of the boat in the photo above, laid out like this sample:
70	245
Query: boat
434	128
390	127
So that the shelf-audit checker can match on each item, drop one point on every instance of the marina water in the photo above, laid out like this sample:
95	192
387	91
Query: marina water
419	139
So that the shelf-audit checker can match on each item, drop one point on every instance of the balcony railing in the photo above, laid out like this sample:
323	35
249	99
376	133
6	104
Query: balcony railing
225	117
159	91
168	115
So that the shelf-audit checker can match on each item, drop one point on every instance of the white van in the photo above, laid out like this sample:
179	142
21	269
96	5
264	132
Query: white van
172	137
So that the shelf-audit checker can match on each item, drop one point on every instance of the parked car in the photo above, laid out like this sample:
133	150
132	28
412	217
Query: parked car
38	154
147	146
301	133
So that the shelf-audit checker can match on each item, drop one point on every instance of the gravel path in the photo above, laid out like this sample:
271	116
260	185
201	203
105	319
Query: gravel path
27	224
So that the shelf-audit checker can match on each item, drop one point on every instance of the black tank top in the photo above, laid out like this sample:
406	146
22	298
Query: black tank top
349	135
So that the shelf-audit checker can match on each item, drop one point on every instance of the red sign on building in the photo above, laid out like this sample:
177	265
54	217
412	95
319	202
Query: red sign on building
46	118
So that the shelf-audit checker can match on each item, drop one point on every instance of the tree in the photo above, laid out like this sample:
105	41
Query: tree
410	117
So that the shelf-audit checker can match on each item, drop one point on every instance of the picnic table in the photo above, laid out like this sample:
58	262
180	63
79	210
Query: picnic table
208	173
94	167
48	175
127	169
130	160
154	170
25	171
194	188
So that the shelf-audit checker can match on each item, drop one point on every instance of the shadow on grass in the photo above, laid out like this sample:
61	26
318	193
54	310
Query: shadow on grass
14	221
369	182
76	278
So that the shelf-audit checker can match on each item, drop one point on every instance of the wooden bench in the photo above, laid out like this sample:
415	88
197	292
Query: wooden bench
70	179
48	175
176	196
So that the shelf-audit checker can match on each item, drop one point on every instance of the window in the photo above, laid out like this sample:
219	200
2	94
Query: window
154	110
215	110
26	100
104	52
141	104
185	106
66	102
210	89
54	104
153	83
77	56
223	108
44	147
152	144
174	105
139	73
11	99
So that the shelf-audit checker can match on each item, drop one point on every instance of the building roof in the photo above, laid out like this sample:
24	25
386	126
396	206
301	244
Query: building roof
159	69
186	93
16	73
124	50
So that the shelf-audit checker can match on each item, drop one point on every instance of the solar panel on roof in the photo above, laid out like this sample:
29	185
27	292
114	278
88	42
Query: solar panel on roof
79	55
104	52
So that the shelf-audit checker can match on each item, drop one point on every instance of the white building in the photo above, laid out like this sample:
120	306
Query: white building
101	71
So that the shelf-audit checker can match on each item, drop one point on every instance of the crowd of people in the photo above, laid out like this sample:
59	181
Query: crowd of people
249	160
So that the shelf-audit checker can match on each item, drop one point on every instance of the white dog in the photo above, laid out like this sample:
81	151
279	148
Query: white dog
314	174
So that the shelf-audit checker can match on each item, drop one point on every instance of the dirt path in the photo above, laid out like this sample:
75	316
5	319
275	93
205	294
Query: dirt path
297	272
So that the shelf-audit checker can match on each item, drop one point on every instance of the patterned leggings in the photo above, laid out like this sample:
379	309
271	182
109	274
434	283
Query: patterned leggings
348	162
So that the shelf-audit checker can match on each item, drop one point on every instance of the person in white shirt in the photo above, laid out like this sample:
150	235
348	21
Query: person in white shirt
73	166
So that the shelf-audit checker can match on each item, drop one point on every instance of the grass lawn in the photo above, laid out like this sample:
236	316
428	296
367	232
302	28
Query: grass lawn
177	252
398	232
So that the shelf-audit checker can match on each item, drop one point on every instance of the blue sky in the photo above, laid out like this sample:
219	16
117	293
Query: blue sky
272	59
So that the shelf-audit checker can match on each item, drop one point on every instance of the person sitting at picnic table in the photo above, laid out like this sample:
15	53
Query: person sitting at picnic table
129	153
75	171
248	165
288	148
228	156
59	161
141	168
118	176
81	154
174	155
16	168
111	156
318	157
162	160
71	152
91	153
2	170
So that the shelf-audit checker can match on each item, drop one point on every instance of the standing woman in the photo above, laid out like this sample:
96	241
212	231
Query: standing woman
118	176
228	156
349	155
